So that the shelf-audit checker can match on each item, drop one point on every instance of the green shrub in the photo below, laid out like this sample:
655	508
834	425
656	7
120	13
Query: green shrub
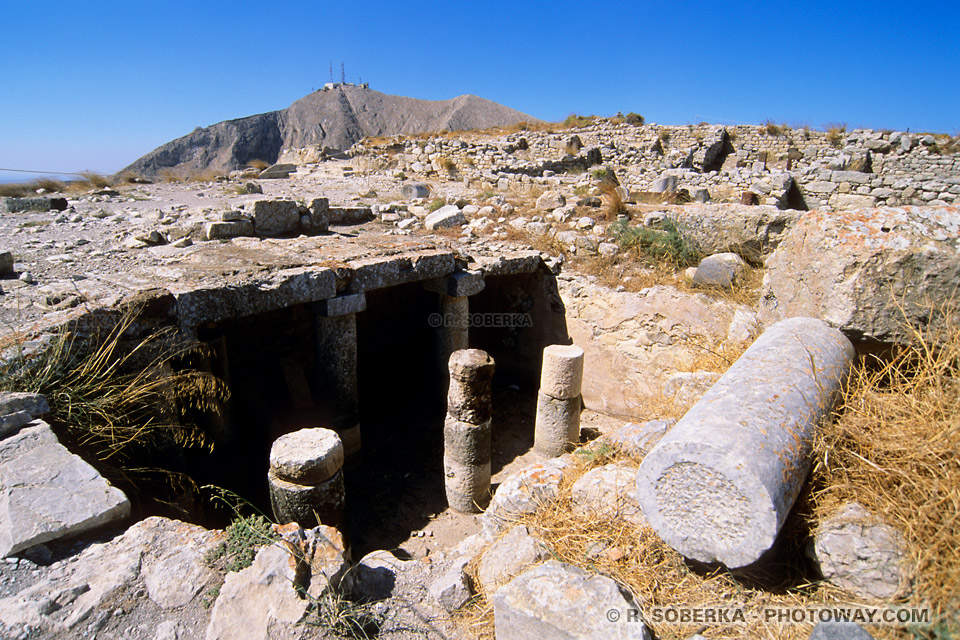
661	243
634	119
573	120
436	204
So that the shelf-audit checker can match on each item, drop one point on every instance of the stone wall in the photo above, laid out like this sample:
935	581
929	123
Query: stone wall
838	170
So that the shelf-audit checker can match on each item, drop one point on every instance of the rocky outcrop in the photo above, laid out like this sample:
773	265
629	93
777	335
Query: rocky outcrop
875	274
334	118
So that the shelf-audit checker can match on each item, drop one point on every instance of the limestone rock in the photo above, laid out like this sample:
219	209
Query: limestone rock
562	602
719	270
374	577
686	387
608	492
278	171
638	439
550	200
307	456
6	263
447	216
229	229
751	232
18	409
452	589
412	190
262	599
859	553
36	472
508	557
76	588
664	184
275	217
524	492
873	274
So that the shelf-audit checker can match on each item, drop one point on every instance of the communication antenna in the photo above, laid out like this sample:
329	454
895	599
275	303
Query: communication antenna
343	75
331	72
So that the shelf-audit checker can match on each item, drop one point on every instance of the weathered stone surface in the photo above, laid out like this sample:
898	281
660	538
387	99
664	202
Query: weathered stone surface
36	473
275	217
557	426
466	465
33	404
562	602
561	374
719	485
857	552
412	190
719	270
686	387
278	171
874	274
261	600
550	200
452	589
751	232
318	218
342	305
638	439
155	550
508	557
469	393
307	505
6	263
458	284
374	577
524	492
608	492
14	205
839	631
447	216
307	456
633	342
850	201
664	184
230	229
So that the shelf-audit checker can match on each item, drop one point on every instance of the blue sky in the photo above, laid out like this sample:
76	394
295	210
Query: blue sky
94	85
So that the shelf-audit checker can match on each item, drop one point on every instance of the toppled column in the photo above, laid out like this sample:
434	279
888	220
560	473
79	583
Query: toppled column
719	485
336	323
306	478
558	401
466	431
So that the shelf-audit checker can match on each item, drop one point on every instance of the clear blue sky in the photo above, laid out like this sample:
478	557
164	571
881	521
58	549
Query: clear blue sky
94	85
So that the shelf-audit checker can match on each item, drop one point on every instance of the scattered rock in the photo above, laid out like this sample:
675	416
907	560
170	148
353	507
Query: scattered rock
608	492
839	631
524	492
550	200
36	472
719	270
278	171
275	217
509	556
556	600
6	263
412	190
445	217
857	552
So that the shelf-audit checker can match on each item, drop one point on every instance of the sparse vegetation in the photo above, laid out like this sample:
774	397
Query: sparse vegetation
835	134
613	204
634	119
243	537
573	121
447	165
771	128
662	243
435	204
664	137
258	164
121	399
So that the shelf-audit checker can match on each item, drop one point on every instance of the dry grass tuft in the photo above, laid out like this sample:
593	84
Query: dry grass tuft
613	204
896	450
835	133
258	164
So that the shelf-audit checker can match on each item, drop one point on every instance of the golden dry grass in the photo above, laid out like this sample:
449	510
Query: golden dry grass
896	450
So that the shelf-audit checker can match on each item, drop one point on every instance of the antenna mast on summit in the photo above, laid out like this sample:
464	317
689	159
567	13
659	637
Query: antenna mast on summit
343	75
331	72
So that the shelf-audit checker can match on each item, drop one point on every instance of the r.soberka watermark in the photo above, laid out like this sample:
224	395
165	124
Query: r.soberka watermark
486	320
889	615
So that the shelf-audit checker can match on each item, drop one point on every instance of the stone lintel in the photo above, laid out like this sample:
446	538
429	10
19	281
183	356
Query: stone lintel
459	284
341	305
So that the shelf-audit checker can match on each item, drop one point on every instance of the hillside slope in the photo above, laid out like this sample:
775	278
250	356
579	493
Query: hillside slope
335	118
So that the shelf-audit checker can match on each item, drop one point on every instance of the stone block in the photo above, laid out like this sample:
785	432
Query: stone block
37	474
275	217
278	171
342	305
413	190
719	270
445	217
557	426
550	200
6	263
307	456
561	602
228	229
15	205
524	492
508	557
458	284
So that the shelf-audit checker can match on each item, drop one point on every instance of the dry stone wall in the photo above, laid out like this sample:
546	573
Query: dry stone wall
838	170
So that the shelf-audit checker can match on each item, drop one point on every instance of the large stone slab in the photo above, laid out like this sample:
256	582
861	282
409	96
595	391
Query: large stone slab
562	602
751	232
48	493
875	274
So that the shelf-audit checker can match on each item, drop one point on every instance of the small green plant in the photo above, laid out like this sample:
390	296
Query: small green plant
436	203
334	612
244	537
634	119
664	138
661	243
599	174
573	120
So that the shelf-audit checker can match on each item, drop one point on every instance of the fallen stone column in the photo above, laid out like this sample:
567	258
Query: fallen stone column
336	323
466	431
306	478
719	485
558	401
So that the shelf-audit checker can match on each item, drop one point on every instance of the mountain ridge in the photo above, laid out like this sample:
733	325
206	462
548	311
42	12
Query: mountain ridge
334	117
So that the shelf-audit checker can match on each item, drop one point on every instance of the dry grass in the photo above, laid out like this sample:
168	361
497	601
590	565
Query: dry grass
835	133
613	204
896	450
258	164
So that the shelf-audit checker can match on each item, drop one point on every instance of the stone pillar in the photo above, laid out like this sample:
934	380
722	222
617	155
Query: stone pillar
466	431
719	485
306	478
558	401
453	320
337	363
